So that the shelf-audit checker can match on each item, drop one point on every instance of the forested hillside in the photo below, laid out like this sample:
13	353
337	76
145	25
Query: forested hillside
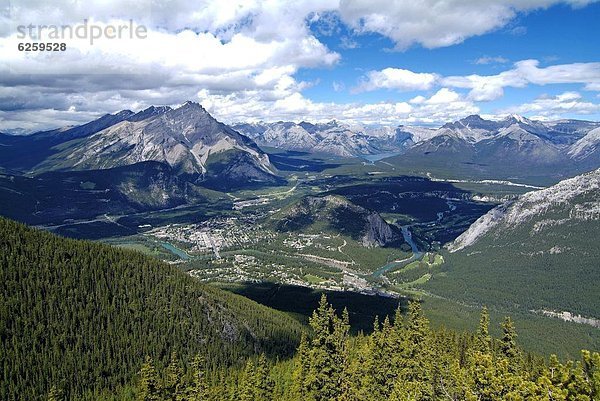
81	316
537	252
85	321
404	359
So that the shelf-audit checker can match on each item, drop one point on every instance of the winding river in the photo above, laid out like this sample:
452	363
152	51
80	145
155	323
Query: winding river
400	263
173	249
417	254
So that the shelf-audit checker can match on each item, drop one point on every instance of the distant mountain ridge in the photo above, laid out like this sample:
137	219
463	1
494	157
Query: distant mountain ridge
334	137
473	131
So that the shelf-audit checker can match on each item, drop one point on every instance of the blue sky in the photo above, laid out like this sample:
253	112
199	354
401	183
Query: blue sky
365	61
557	35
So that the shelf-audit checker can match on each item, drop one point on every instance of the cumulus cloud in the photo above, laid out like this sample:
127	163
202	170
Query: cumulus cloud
397	78
442	106
487	87
491	87
437	23
554	107
224	47
241	58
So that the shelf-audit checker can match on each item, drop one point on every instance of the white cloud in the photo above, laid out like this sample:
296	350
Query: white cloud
397	78
491	60
443	106
555	107
444	95
24	121
487	87
348	43
224	47
418	100
241	57
338	86
518	31
491	87
437	23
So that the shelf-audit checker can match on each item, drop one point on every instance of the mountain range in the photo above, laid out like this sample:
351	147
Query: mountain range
512	148
187	139
341	139
191	142
334	137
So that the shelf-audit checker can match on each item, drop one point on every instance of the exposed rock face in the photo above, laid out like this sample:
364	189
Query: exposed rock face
337	214
378	232
574	199
184	138
587	147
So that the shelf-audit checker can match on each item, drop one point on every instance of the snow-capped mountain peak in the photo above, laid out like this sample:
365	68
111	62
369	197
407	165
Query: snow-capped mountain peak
518	118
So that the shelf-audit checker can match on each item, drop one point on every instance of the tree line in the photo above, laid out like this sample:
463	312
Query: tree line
403	359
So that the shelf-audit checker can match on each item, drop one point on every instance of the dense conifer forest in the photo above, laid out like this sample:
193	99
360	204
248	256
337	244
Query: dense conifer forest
402	360
82	315
85	321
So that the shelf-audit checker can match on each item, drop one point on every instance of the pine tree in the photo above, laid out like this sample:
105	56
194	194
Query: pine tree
508	343
327	353
173	386
264	386
149	389
417	325
484	341
591	365
196	391
415	371
248	385
55	394
486	379
301	370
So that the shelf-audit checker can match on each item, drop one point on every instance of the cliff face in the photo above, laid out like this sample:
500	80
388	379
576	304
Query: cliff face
337	214
378	232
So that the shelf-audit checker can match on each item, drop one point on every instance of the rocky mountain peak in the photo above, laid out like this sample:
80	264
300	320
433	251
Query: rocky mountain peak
191	105
124	114
149	113
471	127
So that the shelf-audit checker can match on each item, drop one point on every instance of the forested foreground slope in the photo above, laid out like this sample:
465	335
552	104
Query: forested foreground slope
82	315
402	360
